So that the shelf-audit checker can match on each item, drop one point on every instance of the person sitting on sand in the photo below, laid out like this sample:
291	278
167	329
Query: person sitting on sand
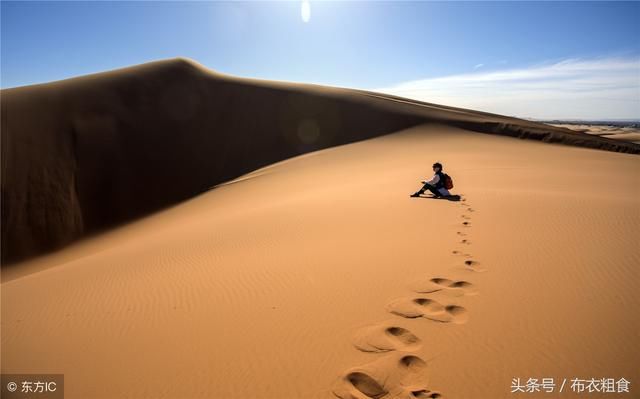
436	184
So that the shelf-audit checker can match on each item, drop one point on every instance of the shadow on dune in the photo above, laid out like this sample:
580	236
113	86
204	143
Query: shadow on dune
453	198
85	154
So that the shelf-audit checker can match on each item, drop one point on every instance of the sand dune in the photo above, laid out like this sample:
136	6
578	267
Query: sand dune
316	276
281	284
84	154
627	133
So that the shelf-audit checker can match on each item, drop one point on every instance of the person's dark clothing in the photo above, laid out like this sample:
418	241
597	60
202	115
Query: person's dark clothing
431	188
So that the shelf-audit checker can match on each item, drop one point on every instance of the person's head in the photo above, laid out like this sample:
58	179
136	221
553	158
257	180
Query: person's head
437	167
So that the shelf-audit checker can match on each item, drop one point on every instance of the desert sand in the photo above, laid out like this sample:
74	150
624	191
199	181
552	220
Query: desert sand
308	272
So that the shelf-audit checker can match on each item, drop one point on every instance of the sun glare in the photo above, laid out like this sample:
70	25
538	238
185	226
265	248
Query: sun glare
305	11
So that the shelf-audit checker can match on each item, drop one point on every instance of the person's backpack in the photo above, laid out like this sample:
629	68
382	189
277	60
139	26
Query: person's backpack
448	181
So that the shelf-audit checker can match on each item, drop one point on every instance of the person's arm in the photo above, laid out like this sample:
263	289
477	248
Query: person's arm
434	180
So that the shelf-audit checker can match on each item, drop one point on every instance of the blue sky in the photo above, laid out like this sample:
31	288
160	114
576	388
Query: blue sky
457	53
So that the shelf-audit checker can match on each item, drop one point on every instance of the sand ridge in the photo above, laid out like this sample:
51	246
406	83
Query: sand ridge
119	145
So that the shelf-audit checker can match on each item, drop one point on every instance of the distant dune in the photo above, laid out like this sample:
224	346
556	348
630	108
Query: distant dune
86	153
623	133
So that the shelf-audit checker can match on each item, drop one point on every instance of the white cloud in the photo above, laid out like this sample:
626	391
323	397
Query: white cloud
478	66
605	88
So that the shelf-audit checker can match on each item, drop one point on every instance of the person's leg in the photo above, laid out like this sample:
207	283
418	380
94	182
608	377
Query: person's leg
429	187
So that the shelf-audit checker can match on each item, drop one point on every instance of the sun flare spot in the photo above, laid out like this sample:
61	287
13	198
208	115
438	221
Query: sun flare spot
305	11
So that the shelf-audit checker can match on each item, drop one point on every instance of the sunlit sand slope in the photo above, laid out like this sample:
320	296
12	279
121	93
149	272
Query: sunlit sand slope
319	277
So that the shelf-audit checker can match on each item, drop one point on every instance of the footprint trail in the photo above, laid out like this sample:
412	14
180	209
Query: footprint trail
400	373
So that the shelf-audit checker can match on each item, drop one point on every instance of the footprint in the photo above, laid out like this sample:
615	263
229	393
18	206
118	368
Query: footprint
473	266
385	338
461	284
470	263
466	223
461	233
465	241
466	217
426	394
398	375
366	385
429	309
452	287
